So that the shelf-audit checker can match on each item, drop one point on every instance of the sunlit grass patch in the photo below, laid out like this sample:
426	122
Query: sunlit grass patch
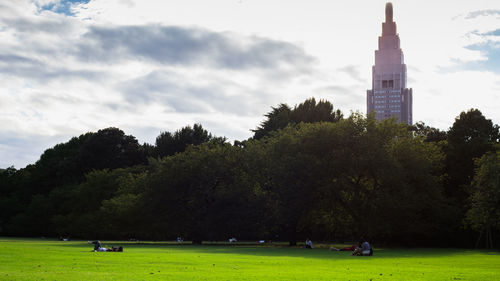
43	259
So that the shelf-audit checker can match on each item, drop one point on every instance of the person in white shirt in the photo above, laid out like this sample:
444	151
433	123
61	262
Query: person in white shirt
309	243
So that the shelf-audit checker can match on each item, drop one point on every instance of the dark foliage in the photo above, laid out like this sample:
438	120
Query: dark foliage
308	112
308	172
170	143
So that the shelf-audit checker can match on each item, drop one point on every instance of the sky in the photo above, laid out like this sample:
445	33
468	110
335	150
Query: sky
148	66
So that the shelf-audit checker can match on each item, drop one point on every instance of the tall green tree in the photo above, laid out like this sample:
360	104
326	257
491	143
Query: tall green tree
309	111
471	136
277	118
484	214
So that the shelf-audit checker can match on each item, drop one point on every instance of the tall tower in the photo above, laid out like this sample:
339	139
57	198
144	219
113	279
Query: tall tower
389	96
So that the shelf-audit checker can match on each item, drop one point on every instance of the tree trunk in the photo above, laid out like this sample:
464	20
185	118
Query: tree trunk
479	239
489	239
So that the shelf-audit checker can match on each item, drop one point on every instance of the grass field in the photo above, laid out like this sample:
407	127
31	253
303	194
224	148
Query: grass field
44	259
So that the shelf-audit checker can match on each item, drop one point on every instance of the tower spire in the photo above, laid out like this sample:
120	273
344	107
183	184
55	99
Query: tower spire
388	12
389	26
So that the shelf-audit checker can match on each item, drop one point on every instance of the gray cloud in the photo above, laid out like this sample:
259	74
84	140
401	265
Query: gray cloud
354	72
349	95
189	46
33	69
18	149
31	57
52	26
187	95
43	73
51	37
189	74
16	59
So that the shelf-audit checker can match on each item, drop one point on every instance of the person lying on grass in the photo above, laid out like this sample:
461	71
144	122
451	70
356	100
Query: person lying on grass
112	249
350	249
98	248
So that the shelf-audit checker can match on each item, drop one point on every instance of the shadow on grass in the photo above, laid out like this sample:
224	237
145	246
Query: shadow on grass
280	250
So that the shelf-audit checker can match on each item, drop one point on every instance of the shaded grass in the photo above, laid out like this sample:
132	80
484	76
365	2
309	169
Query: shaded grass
38	259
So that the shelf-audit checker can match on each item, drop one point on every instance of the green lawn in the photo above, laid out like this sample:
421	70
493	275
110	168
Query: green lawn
44	259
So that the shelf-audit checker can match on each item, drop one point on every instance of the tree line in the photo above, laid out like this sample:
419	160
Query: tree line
308	171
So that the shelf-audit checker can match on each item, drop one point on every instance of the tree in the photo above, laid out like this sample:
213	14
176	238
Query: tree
8	203
60	165
471	136
201	194
350	178
429	134
168	144
278	118
309	111
484	213
82	210
110	148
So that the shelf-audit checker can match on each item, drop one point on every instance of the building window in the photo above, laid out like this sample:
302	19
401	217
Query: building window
387	83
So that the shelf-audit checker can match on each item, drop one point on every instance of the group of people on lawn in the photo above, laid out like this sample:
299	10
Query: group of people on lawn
363	248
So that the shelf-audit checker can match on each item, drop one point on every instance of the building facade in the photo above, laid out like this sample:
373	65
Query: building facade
389	96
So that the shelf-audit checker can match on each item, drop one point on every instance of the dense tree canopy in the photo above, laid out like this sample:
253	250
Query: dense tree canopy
110	149
307	172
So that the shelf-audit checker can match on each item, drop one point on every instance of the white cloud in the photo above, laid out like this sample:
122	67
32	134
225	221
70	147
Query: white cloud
149	66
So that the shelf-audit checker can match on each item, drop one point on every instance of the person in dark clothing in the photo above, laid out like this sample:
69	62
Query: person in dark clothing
309	244
97	245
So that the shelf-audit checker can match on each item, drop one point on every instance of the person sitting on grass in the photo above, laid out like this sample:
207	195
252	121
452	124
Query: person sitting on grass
309	244
364	249
97	245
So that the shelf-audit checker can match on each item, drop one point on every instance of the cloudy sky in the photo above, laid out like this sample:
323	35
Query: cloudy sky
146	66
